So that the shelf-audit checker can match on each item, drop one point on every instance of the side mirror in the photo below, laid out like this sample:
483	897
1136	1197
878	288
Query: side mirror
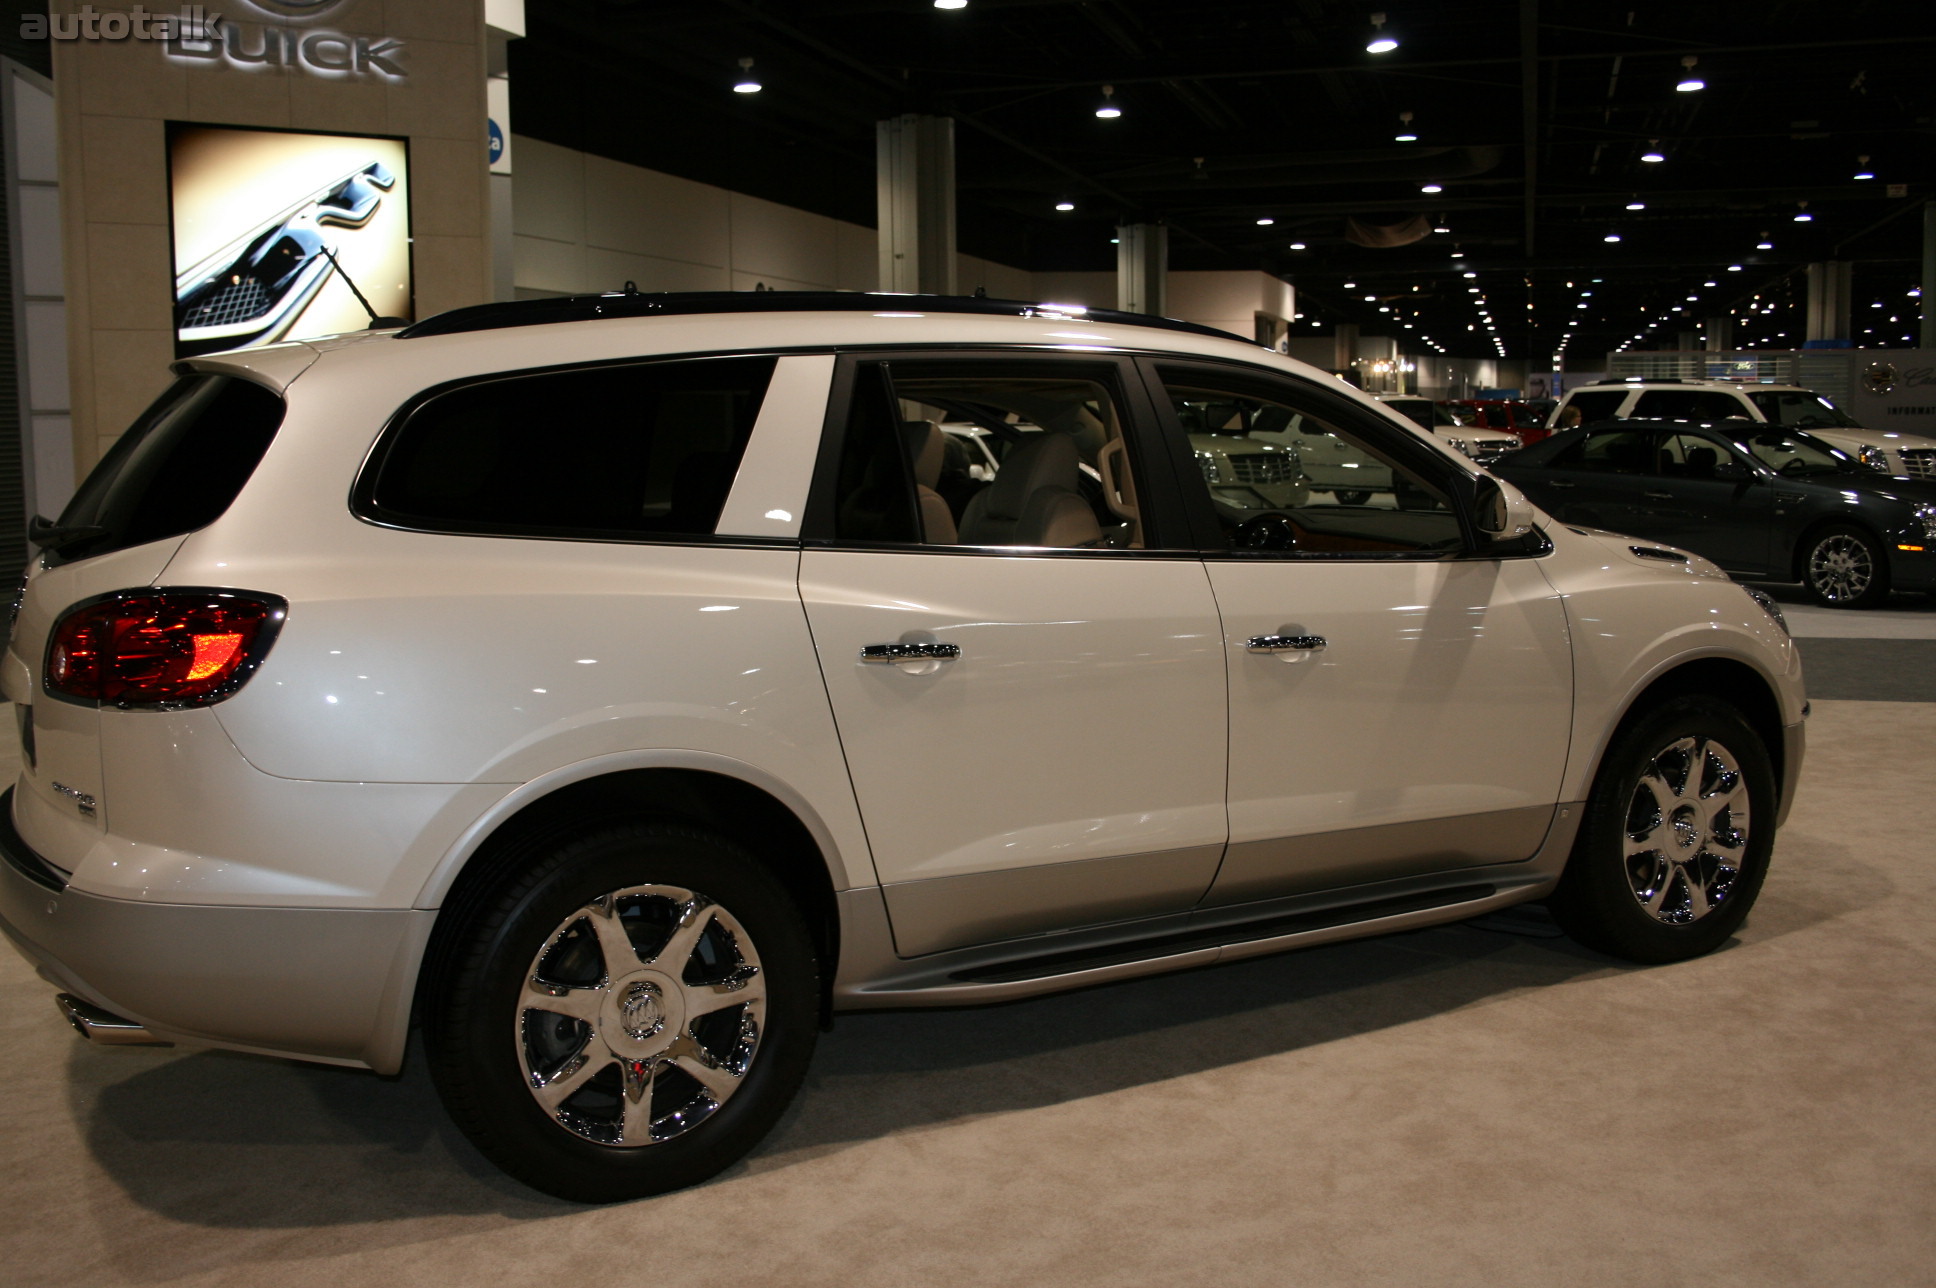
1732	471
1500	511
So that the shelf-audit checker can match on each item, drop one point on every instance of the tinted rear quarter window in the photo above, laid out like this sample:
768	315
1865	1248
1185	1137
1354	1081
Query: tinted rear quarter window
1688	404
1597	404
177	468
625	452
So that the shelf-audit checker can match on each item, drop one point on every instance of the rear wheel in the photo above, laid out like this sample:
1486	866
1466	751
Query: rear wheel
628	1016
1844	567
1676	837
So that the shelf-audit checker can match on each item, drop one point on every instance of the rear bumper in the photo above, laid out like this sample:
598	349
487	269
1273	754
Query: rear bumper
326	984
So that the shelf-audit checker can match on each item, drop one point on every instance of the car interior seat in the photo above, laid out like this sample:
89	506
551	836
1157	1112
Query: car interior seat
1036	500
927	450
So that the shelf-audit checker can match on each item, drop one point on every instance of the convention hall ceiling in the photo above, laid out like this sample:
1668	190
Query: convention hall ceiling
1252	128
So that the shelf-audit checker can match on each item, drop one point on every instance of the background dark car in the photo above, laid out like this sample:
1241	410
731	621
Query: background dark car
1766	503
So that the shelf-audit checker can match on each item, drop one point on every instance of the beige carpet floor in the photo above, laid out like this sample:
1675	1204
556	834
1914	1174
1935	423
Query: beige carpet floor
1457	1106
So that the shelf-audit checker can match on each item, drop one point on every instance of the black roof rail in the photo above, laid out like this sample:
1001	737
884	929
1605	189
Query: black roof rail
634	304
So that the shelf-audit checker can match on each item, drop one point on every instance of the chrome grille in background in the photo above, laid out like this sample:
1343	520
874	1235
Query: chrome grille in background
1263	467
1919	462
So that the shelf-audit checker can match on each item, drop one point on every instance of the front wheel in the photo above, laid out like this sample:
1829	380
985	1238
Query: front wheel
1353	496
1676	837
629	1015
1844	567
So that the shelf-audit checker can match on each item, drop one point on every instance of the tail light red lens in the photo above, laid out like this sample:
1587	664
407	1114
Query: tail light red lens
161	648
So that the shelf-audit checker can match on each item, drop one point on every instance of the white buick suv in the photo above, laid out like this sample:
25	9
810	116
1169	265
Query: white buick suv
591	682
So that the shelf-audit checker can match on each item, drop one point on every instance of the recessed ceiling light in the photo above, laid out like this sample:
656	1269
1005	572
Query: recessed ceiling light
1265	222
1611	237
1431	187
1297	245
1065	205
1636	204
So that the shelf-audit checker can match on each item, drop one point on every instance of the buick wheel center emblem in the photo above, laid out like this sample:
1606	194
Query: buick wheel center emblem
643	1010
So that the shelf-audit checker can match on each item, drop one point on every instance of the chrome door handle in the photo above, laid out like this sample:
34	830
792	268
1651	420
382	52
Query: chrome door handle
910	652
1658	496
1285	644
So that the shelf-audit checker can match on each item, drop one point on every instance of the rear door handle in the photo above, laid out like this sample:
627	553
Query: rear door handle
1559	483
899	653
1658	496
1284	644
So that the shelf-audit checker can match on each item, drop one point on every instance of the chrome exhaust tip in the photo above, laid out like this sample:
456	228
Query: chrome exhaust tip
104	1027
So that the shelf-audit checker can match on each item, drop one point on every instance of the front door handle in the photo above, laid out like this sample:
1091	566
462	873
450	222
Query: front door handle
1658	496
1284	644
1560	483
902	654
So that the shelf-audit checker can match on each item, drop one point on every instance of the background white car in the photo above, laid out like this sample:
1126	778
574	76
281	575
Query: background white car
1482	445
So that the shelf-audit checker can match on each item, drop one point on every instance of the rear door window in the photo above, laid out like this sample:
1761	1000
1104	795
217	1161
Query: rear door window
635	451
175	470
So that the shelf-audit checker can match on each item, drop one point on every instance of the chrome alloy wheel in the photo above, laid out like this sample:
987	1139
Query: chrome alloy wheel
1687	830
641	1015
1840	568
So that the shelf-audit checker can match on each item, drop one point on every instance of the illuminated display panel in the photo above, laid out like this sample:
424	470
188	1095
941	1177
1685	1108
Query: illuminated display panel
257	215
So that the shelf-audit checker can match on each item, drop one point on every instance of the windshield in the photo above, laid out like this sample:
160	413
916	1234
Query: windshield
1794	456
1802	409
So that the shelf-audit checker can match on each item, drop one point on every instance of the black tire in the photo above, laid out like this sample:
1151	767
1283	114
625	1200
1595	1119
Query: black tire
710	927
1661	871
1353	496
1844	567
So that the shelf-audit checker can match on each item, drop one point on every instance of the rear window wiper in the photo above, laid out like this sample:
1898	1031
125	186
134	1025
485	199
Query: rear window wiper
58	536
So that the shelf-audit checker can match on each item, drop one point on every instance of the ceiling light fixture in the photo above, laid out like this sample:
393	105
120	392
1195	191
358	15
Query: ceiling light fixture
1802	216
747	83
1764	243
1065	205
1265	222
1431	187
951	4
1405	134
1636	204
1689	81
1108	111
1862	170
1611	237
1382	41
1653	152
1297	245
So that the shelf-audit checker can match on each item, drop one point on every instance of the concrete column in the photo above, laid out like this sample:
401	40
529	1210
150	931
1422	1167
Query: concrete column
1344	340
1829	290
1717	334
1142	268
915	195
503	23
1929	276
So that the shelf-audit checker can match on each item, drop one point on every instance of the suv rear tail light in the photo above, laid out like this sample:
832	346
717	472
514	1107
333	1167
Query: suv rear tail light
161	648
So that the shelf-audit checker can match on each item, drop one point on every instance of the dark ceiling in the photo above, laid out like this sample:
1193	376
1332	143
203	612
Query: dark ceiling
1533	117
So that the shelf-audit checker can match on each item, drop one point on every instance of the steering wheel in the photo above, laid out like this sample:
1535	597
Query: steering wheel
1271	531
1793	468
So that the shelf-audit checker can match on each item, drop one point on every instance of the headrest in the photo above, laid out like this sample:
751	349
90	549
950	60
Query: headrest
926	448
1038	461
